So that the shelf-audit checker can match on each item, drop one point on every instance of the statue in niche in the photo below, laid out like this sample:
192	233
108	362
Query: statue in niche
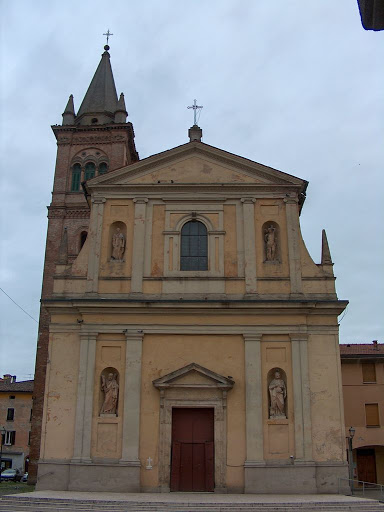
278	395
118	245
270	238
110	388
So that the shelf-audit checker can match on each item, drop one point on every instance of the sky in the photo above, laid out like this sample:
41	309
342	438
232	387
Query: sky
297	86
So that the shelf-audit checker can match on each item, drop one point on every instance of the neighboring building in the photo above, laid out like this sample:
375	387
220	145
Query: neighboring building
362	370
193	342
15	417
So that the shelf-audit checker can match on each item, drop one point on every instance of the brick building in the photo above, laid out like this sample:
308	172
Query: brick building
362	370
15	418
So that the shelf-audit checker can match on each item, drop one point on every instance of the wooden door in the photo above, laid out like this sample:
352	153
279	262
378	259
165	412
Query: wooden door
192	459
366	465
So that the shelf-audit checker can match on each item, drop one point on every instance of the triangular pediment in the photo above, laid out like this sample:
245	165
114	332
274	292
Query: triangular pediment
195	163
193	375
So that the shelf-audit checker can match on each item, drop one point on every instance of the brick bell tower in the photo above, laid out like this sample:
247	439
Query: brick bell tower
96	140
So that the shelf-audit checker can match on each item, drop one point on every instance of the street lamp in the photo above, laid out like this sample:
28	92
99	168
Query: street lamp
350	455
2	433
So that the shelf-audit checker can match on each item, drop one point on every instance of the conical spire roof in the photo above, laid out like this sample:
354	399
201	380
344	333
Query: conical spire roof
101	97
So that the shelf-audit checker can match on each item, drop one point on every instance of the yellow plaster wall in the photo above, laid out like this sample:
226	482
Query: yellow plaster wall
116	210
195	170
328	435
158	225
230	241
60	402
163	354
80	265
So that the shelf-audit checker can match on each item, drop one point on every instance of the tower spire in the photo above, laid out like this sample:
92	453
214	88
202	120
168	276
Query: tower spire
100	101
69	112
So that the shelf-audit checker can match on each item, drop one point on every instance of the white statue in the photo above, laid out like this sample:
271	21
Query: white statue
278	394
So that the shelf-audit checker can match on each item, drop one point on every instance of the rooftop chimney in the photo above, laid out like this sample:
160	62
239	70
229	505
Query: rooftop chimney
375	344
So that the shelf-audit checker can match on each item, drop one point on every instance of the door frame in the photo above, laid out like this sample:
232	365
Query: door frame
220	435
190	387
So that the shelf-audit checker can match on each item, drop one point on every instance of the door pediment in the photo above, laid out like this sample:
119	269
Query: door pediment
193	376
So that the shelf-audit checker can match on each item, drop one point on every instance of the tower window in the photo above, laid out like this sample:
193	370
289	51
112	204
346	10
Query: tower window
103	168
10	414
89	171
76	177
194	246
83	237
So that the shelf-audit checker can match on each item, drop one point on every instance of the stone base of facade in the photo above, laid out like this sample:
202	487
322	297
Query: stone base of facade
304	478
91	477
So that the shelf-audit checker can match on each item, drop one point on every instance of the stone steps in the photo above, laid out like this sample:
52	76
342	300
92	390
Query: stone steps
20	503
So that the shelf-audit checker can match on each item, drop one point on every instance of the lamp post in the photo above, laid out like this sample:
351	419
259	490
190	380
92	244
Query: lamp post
2	433
350	456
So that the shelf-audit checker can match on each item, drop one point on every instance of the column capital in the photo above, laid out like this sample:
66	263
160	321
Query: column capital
291	200
298	336
98	200
133	336
88	336
248	200
252	337
140	200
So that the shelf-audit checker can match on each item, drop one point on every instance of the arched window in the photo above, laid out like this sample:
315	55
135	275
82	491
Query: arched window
103	168
194	246
76	176
83	237
89	171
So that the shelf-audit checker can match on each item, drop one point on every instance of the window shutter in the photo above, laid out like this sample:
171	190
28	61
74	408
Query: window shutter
89	171
372	415
369	372
76	177
102	168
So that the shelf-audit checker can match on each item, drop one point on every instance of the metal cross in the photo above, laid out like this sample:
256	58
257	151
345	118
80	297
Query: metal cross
108	33
195	107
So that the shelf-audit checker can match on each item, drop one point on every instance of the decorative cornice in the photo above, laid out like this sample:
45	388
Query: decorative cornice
62	212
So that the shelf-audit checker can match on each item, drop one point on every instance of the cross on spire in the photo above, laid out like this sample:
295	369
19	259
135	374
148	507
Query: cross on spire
108	33
195	107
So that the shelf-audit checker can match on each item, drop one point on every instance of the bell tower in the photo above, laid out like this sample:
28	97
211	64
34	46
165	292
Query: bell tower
96	140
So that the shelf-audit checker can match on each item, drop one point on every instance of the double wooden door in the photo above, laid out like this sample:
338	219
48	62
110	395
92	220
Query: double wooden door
192	459
366	465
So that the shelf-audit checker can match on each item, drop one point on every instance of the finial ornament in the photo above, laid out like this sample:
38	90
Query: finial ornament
108	34
195	107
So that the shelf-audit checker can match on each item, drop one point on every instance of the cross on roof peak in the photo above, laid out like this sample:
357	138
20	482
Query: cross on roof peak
195	108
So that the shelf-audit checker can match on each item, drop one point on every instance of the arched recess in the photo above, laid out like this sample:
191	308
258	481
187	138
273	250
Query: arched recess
82	239
117	228
109	392
277	393
271	240
215	247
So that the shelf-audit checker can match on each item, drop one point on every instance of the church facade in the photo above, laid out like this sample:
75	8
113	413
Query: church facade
193	342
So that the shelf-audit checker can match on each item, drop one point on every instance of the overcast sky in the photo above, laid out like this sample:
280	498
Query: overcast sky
298	86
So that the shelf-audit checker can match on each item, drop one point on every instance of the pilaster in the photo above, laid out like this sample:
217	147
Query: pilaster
293	231
253	398
249	244
84	405
95	230
301	397
138	245
132	391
